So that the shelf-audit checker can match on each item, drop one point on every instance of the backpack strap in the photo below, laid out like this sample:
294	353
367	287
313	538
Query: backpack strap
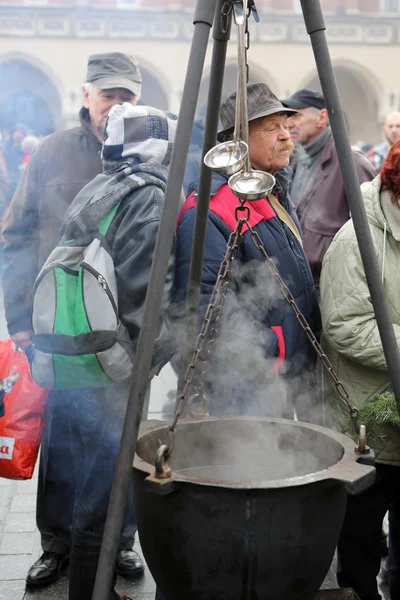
104	225
84	223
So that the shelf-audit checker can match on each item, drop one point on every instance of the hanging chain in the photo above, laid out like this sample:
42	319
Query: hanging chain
200	396
288	296
211	316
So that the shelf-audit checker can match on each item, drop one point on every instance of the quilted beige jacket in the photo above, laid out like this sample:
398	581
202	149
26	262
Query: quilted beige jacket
351	336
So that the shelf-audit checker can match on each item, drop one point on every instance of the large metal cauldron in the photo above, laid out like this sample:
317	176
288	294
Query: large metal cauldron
252	511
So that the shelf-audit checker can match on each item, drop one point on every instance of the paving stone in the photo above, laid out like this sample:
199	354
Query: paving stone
5	495
14	566
19	522
3	513
27	487
12	590
55	591
17	543
136	589
6	482
23	503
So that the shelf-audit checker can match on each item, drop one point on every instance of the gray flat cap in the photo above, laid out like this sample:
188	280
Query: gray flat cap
114	70
261	102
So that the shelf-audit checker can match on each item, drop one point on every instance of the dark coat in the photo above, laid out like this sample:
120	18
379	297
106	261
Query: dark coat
323	208
260	321
59	168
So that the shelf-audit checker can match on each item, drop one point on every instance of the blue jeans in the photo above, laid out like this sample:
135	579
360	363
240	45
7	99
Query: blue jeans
79	455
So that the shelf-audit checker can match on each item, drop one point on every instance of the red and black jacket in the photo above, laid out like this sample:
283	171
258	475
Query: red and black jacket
254	304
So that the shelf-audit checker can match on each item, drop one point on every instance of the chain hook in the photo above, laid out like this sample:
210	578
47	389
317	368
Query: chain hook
362	440
162	463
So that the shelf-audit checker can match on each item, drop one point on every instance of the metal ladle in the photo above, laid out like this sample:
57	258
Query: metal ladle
248	184
229	157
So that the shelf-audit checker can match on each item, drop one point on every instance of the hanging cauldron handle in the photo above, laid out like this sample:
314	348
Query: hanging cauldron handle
355	475
162	462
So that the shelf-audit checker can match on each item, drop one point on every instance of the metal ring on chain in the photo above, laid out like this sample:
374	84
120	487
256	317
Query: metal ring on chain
162	462
203	406
242	209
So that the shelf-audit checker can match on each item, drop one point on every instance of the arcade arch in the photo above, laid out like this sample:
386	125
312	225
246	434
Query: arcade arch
28	94
256	75
154	91
360	93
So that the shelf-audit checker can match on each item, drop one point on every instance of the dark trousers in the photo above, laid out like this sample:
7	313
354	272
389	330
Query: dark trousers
359	549
79	454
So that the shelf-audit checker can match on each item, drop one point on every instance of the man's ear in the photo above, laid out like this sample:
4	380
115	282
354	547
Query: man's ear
85	97
323	118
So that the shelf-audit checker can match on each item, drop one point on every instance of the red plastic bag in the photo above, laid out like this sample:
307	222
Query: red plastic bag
21	426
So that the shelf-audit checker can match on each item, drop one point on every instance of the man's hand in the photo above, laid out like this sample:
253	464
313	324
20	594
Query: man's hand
22	339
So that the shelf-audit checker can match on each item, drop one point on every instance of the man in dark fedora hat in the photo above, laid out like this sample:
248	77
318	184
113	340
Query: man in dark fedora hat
317	188
59	168
255	315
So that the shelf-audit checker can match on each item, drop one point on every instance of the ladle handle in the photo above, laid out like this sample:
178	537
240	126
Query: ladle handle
240	12
237	131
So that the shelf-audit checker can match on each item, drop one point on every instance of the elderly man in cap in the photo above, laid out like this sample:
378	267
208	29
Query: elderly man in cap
259	333
59	168
317	188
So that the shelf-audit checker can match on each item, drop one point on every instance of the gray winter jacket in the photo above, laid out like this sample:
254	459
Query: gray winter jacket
59	168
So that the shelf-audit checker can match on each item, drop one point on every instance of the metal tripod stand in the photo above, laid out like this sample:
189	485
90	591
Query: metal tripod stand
208	12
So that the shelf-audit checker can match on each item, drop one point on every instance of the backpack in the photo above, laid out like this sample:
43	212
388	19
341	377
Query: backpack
79	340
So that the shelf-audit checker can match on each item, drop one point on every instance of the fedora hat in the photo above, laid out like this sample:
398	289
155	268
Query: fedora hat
261	102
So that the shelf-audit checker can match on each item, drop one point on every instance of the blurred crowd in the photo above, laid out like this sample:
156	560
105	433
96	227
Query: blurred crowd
16	147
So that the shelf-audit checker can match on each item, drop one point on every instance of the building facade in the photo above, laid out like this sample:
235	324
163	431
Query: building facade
44	45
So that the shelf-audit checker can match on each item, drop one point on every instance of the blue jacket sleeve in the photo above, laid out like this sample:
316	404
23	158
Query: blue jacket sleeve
233	314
